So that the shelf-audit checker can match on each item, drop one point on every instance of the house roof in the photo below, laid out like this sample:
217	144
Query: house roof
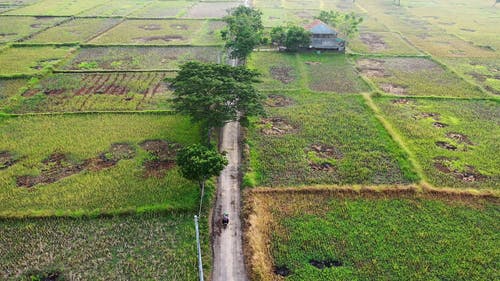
319	27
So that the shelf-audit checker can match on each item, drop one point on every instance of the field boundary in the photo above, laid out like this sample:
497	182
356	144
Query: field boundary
130	112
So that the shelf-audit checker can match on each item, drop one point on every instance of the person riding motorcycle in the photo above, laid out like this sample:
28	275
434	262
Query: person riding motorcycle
225	219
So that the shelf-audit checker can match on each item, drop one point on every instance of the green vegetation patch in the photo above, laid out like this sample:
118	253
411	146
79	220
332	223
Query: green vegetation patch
162	32
312	138
123	58
116	8
10	88
29	60
280	71
203	10
149	246
482	71
88	164
56	8
15	28
323	237
381	43
75	31
455	141
163	9
94	92
415	77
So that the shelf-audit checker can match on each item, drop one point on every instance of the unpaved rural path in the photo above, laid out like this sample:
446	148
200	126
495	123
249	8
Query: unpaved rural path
228	264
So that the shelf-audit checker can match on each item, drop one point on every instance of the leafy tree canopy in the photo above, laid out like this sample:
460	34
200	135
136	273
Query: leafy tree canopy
346	24
292	37
243	31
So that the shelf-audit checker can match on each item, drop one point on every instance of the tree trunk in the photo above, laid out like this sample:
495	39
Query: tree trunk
202	186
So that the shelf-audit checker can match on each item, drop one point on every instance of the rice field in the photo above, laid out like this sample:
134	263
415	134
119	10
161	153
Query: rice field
163	9
56	8
16	28
30	60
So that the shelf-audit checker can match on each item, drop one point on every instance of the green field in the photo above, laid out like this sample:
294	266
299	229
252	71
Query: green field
342	236
56	8
116	8
381	43
142	247
323	139
29	60
80	183
454	140
15	28
163	9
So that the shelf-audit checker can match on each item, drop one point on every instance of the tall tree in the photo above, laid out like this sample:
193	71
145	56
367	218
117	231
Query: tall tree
199	163
292	37
214	94
243	31
346	24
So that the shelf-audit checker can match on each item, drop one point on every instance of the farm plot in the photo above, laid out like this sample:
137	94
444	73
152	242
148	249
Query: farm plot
29	60
381	43
278	16
94	163
96	92
116	8
485	72
163	9
160	32
15	28
415	77
56	8
8	89
280	71
334	234
123	58
312	138
455	141
151	246
75	31
203	10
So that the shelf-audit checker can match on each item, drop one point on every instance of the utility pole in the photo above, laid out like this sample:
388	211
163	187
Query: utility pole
200	265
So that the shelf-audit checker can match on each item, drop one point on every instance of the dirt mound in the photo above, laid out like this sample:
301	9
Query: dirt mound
401	101
324	166
433	115
371	67
157	168
326	151
278	101
282	271
164	154
120	151
460	138
6	160
439	125
165	38
446	145
373	41
325	263
151	27
470	174
282	73
276	126
393	88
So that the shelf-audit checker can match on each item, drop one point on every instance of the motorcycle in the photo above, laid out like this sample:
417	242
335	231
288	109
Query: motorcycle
225	220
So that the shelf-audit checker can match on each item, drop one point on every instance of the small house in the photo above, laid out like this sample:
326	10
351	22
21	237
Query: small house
324	37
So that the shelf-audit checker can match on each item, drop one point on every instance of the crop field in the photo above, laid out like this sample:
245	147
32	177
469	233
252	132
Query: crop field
15	28
140	247
83	164
162	32
56	8
163	9
341	234
115	8
10	88
453	140
314	138
381	43
415	77
75	31
30	60
323	73
95	92
203	10
485	72
124	58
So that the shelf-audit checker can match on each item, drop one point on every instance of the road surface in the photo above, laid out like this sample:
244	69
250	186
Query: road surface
228	264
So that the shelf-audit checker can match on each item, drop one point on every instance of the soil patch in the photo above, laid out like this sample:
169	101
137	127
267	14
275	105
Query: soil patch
460	138
393	88
45	276
276	126
324	166
326	151
470	174
435	116
371	67
282	73
325	263
278	101
312	62
373	41
120	151
439	125
282	271
165	38
164	154
401	101
151	27
36	25
446	145
6	160
179	26
157	168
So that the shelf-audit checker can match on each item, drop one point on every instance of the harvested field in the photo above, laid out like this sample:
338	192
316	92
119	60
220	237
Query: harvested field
104	173
463	131
96	91
203	10
15	28
342	234
29	60
381	43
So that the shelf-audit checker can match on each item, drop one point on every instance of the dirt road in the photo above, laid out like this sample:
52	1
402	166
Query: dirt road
228	262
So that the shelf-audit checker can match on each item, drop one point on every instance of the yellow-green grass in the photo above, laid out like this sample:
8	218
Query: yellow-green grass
285	67
161	32
10	88
483	71
262	4
116	8
124	58
163	9
75	31
361	151
72	92
149	246
301	5
278	16
15	28
372	24
123	187
416	77
56	8
371	235
30	60
387	43
476	119
205	10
